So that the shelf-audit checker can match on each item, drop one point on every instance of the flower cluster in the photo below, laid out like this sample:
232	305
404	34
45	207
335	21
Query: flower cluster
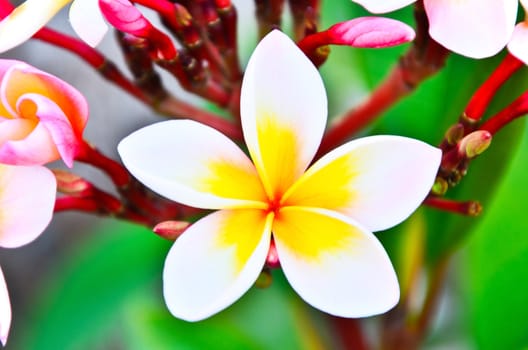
278	201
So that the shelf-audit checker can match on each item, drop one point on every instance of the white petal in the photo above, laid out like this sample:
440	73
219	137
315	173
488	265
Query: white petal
87	21
27	19
518	45
27	200
333	263
284	109
214	262
193	164
5	310
473	28
383	6
378	181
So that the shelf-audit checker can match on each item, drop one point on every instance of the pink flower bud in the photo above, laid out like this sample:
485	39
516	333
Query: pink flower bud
42	118
370	32
363	32
475	143
170	229
123	15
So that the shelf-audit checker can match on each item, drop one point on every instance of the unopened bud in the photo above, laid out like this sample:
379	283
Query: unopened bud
70	183
454	134
170	229
440	186
475	143
183	17
474	208
370	32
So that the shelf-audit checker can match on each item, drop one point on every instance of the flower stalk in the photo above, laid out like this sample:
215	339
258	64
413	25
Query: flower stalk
269	15
468	208
482	97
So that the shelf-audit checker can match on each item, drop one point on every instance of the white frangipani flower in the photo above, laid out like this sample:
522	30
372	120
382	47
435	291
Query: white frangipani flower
320	217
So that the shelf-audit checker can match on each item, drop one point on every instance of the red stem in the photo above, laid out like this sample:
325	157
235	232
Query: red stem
516	109
175	107
93	57
228	15
350	333
88	205
471	208
102	204
269	15
119	175
311	42
388	93
485	93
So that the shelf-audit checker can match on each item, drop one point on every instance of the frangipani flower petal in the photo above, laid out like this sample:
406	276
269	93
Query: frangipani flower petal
19	79
15	129
26	20
383	6
192	164
87	21
378	181
518	45
27	200
283	107
34	149
53	119
333	263
482	34
5	310
215	261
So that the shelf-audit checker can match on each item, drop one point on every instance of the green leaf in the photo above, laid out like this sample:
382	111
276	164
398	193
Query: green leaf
496	265
91	284
261	319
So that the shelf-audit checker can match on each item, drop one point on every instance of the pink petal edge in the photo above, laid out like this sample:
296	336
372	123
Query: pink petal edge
518	45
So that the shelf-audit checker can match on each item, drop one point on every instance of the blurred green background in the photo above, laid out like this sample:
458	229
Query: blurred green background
92	283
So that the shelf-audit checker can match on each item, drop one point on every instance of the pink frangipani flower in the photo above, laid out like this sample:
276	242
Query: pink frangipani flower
27	199
320	216
473	28
42	118
28	18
